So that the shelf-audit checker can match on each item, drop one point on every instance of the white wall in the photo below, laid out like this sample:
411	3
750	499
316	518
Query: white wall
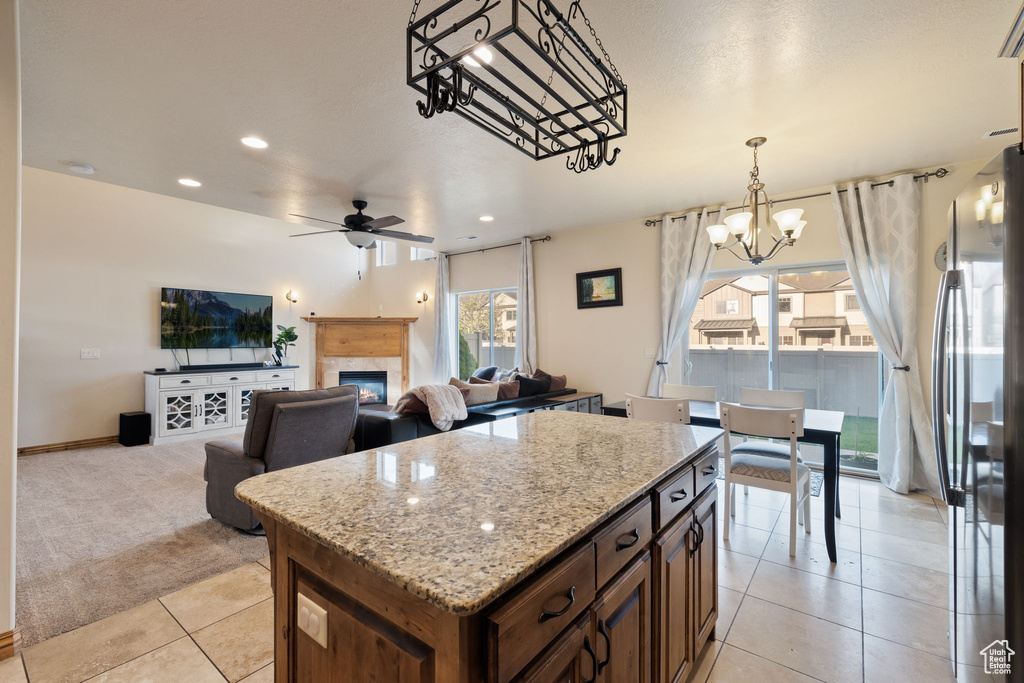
94	259
603	349
10	250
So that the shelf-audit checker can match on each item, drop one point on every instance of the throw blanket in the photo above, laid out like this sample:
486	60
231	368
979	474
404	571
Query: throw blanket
443	401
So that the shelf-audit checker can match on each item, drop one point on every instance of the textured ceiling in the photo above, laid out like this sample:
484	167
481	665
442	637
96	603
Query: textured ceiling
149	91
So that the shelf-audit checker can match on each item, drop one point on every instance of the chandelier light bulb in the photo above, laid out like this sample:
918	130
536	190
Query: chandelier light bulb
739	223
718	234
788	219
797	229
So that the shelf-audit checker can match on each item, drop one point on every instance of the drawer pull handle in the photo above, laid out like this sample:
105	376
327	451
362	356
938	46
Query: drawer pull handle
635	533
186	381
710	469
593	658
275	376
547	614
232	379
678	496
608	645
700	535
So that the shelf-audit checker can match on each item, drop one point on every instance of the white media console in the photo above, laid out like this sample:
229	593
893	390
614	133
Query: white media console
186	403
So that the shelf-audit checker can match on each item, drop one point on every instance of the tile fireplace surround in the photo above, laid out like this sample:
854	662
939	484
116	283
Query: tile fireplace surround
363	345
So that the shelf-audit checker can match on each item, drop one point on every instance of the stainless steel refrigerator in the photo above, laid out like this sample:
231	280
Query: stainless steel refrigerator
976	387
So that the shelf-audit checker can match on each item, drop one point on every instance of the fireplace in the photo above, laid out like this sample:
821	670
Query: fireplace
373	386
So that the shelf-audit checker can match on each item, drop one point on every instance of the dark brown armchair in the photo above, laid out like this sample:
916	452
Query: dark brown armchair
285	429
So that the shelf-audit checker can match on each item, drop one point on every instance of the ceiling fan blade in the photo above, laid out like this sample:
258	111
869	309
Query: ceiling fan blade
385	222
394	234
322	220
318	232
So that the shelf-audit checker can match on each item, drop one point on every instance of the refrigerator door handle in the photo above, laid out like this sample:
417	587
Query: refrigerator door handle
949	281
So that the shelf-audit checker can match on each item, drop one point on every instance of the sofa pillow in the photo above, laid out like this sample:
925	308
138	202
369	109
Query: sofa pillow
558	382
529	386
507	375
476	380
506	390
478	393
412	405
485	373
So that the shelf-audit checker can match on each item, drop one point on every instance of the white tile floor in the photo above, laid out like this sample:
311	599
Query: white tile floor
878	614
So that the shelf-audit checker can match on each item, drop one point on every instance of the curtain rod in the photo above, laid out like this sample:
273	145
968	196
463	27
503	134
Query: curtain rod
545	238
937	173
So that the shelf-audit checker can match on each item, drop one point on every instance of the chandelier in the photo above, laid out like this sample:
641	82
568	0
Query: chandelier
746	227
536	78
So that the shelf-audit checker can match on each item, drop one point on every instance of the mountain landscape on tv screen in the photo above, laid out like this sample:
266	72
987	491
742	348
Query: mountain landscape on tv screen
196	319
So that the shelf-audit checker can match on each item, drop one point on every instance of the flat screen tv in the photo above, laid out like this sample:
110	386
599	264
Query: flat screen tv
197	319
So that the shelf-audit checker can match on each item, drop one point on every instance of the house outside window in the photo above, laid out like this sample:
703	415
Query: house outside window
386	253
486	332
785	304
852	303
420	254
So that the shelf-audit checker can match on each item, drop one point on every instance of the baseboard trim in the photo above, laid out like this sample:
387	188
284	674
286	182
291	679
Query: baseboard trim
68	445
10	644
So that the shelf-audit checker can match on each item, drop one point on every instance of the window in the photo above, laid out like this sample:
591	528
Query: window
800	330
420	254
386	253
487	330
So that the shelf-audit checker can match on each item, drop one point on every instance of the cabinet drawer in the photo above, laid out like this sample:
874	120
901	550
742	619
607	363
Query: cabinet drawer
674	496
528	622
595	405
620	542
274	375
187	381
584	405
234	378
706	471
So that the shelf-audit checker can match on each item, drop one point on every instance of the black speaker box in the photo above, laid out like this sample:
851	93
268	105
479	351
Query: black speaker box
134	429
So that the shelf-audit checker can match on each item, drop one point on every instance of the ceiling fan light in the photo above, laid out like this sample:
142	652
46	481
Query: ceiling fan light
718	234
739	223
360	239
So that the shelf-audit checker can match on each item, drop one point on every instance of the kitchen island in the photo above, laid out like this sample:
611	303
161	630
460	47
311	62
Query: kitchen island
552	546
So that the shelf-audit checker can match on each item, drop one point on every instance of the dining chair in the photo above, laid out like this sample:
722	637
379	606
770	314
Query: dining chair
708	394
658	409
788	476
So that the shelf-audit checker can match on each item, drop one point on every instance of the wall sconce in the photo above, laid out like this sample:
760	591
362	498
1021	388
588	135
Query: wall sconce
292	296
421	297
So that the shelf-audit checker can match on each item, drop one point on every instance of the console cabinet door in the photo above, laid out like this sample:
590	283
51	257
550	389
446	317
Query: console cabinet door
705	568
243	399
673	579
179	412
622	620
216	403
571	659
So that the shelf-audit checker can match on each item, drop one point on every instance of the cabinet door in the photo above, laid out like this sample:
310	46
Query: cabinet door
571	659
622	620
673	648
215	407
705	568
179	412
243	399
595	404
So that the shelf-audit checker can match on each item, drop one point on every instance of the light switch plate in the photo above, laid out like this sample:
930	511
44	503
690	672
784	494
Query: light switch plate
90	354
312	619
648	352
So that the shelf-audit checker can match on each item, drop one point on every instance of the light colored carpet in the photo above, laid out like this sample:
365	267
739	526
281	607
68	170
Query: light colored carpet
106	529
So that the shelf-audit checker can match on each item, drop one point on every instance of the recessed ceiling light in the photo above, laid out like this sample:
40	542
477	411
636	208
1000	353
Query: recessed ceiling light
481	54
188	182
255	143
467	237
487	219
78	167
487	526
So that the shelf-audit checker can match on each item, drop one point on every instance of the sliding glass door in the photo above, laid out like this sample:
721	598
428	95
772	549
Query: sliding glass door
487	330
799	329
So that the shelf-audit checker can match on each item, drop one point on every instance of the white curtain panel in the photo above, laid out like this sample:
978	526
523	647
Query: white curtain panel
445	348
878	230
526	312
686	254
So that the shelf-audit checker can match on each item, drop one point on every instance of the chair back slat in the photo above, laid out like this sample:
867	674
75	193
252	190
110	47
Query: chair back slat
709	394
771	423
658	409
772	398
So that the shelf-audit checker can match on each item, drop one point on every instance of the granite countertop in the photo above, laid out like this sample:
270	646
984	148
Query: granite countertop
460	518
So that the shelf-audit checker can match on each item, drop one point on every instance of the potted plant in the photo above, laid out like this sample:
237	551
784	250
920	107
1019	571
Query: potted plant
285	338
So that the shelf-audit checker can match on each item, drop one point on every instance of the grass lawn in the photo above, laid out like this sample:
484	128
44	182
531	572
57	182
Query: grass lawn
860	434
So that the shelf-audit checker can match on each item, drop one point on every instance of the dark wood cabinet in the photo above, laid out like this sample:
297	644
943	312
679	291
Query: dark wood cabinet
673	646
705	570
622	623
571	659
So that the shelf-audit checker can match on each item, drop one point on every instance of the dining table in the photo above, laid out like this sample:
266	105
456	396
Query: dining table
821	427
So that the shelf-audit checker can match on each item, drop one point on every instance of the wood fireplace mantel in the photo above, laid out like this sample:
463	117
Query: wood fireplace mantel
361	338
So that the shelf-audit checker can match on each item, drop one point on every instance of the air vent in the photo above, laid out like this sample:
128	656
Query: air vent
1001	131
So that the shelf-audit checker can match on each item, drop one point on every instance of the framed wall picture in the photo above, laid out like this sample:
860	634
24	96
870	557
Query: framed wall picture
599	288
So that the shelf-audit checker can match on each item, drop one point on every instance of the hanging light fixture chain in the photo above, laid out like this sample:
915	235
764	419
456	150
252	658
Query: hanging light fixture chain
415	9
600	45
754	171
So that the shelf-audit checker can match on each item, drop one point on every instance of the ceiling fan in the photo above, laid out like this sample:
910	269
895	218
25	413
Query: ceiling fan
361	230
